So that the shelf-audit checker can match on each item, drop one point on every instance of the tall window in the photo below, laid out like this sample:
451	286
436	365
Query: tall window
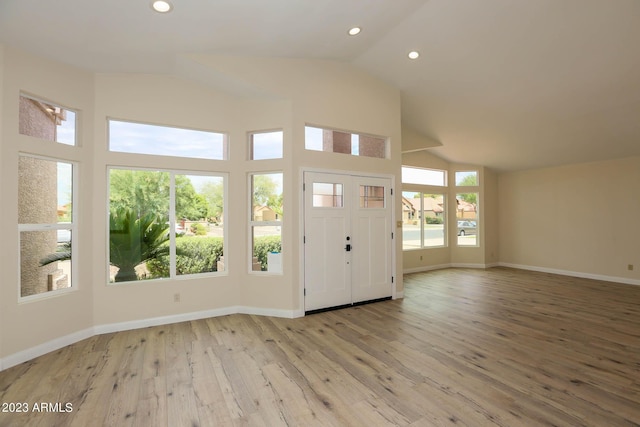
424	208
467	218
46	198
423	220
164	224
266	222
46	224
140	138
334	141
467	208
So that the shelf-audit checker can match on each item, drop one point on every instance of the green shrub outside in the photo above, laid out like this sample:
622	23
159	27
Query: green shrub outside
193	255
198	229
263	245
434	220
200	255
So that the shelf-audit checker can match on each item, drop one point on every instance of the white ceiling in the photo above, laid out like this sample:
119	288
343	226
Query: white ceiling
510	84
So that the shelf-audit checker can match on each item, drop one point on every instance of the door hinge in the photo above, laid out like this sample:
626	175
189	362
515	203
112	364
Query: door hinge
304	186
392	235
304	239
391	191
304	292
391	279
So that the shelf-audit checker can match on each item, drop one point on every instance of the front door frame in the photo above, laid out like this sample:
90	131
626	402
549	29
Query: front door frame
301	224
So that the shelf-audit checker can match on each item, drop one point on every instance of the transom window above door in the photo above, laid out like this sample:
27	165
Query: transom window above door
356	144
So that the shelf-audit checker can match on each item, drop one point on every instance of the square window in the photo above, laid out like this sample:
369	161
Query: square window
466	178
151	237
371	196
48	121
266	145
327	195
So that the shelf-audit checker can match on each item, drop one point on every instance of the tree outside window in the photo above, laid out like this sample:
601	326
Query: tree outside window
164	224
266	222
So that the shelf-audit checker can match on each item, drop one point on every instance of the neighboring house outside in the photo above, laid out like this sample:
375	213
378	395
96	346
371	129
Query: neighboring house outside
409	213
432	206
264	213
465	210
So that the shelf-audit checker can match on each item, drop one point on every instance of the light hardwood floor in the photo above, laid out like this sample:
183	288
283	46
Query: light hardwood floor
464	347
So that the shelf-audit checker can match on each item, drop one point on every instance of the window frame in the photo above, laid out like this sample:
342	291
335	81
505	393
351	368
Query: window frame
76	113
455	178
252	224
476	219
251	144
421	184
385	139
71	226
172	224
225	140
445	226
424	189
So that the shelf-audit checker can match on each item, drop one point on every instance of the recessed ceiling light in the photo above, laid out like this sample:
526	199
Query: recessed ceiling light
161	6
414	54
355	31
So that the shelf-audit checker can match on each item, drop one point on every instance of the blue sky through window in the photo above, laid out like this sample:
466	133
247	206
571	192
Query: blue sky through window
139	138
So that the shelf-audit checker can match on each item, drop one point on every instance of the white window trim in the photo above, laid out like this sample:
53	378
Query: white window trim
422	192
250	144
172	224
253	223
72	227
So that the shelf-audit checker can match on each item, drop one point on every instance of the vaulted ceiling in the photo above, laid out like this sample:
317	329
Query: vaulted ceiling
501	83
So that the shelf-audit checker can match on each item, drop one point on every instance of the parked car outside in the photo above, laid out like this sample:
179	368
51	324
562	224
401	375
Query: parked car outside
467	228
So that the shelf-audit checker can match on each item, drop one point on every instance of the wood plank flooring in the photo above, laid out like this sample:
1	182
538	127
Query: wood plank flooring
464	347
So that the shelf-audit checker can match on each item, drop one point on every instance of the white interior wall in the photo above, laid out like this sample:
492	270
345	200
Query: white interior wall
318	92
28	325
575	219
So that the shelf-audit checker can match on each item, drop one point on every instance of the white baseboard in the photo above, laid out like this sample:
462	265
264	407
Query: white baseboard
44	348
468	265
55	344
615	279
426	268
454	265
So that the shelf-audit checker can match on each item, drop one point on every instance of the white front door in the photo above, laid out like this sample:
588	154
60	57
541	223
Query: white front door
347	239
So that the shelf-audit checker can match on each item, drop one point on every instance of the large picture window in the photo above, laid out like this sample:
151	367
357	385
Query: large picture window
165	224
46	224
423	220
266	222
